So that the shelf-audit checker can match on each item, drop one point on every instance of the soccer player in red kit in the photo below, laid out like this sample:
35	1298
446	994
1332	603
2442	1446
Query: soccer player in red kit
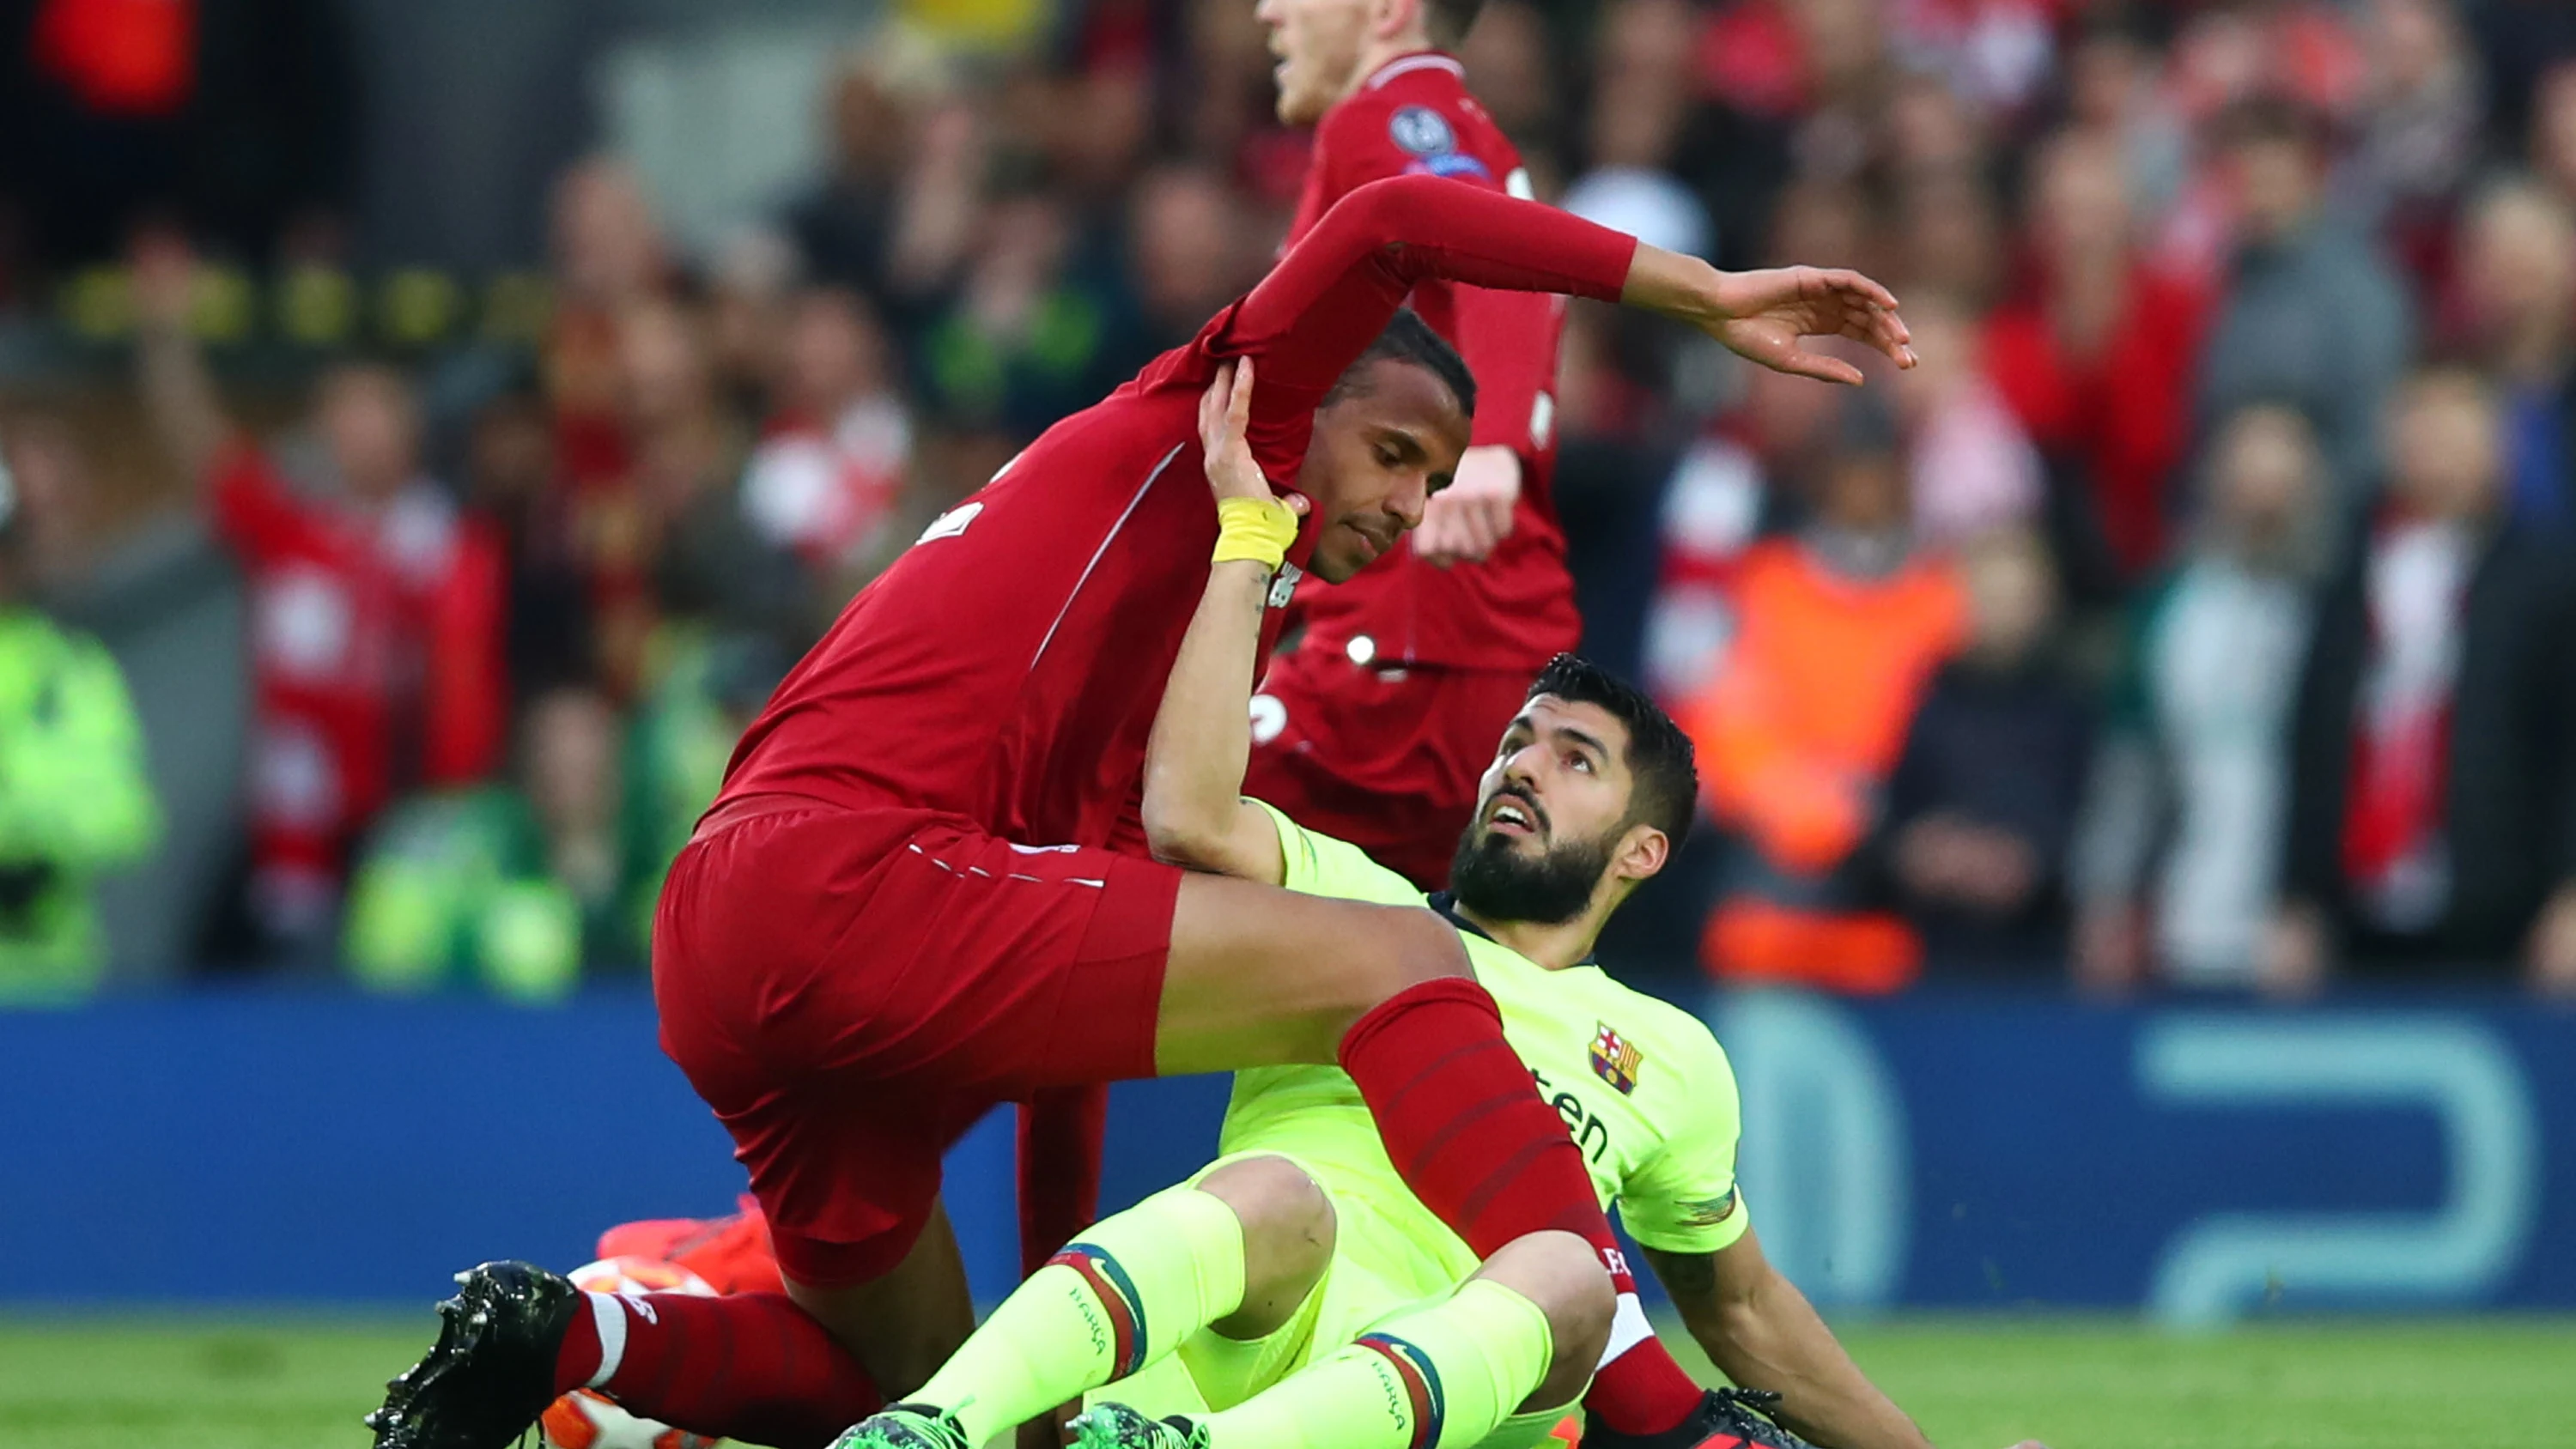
900	911
1375	726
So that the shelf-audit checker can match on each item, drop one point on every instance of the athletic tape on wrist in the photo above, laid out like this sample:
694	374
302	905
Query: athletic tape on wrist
1257	529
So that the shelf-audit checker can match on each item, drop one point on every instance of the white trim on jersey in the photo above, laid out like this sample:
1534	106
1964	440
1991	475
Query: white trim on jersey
1407	65
1098	553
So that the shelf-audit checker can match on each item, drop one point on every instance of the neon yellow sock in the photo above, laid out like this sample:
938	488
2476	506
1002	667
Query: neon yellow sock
1122	1295
1436	1378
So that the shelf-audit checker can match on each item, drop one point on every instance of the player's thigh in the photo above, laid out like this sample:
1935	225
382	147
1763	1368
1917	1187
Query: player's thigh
904	1324
1258	976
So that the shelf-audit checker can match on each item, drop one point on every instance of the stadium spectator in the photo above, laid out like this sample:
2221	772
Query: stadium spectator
609	257
1970	467
677	744
2432	822
675	547
1026	339
512	888
2093	351
511	478
1641	94
2552	143
1838	629
2519	43
2177	857
2518	279
376	628
2420	133
1722	496
2311	314
889	216
163	599
1511	63
74	795
1982	803
1187	252
828	481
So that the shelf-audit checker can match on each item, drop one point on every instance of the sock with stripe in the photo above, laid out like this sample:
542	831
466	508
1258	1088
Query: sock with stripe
1439	1377
753	1366
1116	1299
1470	1135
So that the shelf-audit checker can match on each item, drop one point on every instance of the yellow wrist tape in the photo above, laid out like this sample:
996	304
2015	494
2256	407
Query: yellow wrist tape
1258	529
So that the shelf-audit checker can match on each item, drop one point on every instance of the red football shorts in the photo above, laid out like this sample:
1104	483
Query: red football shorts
1387	759
852	990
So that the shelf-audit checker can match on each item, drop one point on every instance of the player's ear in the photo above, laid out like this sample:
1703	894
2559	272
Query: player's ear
1642	853
1389	19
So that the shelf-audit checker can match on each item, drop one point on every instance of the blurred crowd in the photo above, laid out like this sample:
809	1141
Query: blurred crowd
2197	615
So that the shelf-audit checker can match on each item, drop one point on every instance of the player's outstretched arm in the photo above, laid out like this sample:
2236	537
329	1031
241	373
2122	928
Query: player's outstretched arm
1195	813
1760	1330
1333	291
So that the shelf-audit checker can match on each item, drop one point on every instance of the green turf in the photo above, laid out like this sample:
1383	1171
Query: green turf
97	1383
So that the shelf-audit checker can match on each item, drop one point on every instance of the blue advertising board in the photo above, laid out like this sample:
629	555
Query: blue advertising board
2198	1162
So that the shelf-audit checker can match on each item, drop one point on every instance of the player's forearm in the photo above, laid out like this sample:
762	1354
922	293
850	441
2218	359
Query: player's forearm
1770	1338
180	397
1681	287
1202	738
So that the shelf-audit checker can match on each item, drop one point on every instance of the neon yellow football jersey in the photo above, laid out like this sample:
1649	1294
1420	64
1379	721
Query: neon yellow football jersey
1644	1089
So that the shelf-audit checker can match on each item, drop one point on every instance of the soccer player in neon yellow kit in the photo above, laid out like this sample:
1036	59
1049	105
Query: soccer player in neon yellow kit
1294	1294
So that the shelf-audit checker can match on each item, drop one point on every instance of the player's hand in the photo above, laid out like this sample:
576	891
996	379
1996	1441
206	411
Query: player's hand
1225	417
1467	520
1765	315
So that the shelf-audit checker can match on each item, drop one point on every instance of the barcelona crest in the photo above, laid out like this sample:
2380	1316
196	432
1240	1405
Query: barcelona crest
1614	1060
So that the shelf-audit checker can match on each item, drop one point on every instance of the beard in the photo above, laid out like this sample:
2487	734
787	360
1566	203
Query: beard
1494	880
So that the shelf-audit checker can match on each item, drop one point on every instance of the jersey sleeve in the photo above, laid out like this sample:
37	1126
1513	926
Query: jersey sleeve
1684	1198
1319	865
1509	340
1319	309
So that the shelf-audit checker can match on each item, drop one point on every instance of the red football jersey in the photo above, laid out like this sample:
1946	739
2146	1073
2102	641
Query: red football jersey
1007	668
1515	610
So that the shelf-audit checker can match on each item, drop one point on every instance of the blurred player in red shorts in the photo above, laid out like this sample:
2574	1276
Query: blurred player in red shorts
1376	725
902	909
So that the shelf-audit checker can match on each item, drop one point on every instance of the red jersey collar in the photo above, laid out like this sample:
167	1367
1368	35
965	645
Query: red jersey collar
1413	61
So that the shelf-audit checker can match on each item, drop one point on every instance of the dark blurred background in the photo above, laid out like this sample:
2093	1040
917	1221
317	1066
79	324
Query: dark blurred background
432	429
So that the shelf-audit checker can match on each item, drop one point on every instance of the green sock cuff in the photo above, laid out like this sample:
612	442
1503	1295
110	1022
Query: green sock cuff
1511	1332
1441	1376
1180	1253
1117	1298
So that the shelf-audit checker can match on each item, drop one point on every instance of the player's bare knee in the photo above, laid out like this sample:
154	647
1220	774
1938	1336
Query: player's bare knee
1560	1273
1288	1235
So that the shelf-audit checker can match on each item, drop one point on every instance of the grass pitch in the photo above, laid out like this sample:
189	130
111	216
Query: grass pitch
2076	1383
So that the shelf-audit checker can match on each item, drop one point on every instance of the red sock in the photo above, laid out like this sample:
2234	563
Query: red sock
753	1367
1473	1139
